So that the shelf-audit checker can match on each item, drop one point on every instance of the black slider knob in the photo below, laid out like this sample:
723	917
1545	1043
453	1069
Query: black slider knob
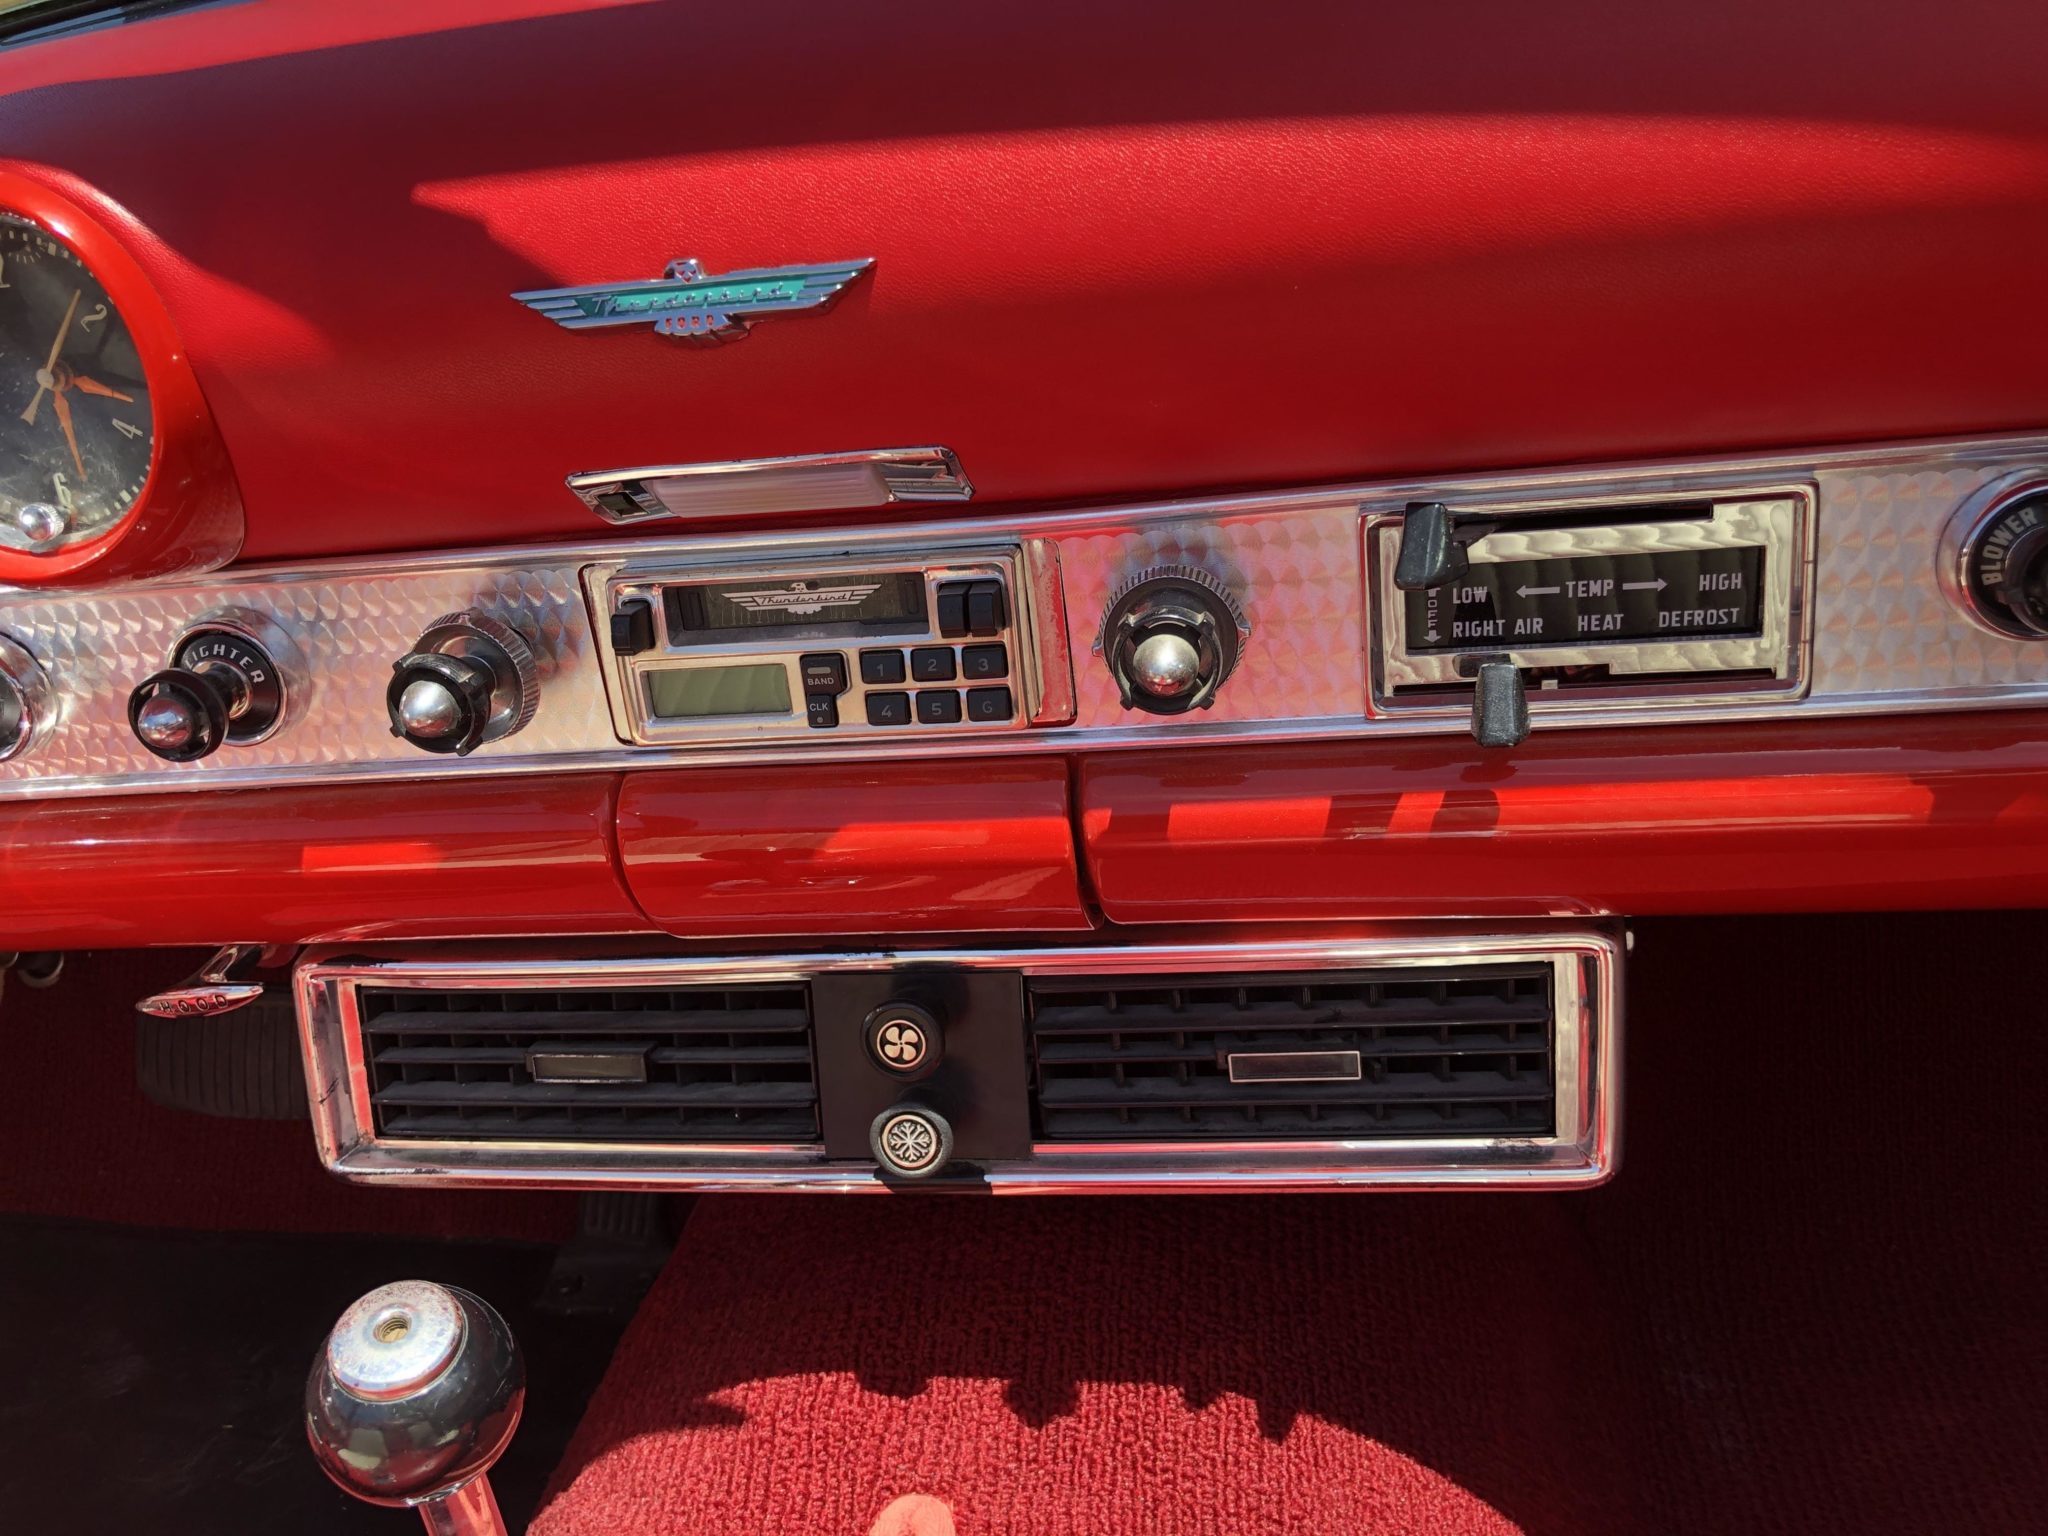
181	715
414	1397
1500	703
1430	552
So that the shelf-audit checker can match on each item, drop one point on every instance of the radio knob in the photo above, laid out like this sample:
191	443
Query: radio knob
469	679
1171	639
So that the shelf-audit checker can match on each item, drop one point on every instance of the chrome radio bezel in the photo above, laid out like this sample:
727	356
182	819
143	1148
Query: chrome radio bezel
1770	664
608	586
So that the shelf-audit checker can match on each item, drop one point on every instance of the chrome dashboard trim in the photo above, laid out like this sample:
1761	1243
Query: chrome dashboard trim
1777	519
1586	1001
1885	637
810	482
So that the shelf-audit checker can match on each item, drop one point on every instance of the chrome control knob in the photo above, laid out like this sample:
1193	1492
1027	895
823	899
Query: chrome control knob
1995	557
429	709
225	685
181	715
25	705
414	1397
41	523
1166	665
1171	639
470	679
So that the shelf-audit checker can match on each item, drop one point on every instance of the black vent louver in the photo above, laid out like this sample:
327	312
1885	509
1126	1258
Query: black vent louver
706	1063
1439	1053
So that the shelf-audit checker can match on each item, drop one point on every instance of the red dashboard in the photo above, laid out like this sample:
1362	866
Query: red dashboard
1159	471
1118	255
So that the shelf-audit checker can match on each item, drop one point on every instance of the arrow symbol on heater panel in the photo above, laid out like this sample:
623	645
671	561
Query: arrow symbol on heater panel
1537	591
1644	586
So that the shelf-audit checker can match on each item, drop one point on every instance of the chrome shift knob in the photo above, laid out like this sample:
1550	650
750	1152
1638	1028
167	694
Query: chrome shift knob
415	1395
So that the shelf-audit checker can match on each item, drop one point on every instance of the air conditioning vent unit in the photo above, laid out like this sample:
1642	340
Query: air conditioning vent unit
1421	1058
694	1064
1311	1055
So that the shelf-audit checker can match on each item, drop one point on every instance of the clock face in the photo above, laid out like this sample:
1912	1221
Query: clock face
76	432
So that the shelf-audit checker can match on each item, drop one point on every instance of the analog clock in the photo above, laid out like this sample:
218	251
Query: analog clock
76	430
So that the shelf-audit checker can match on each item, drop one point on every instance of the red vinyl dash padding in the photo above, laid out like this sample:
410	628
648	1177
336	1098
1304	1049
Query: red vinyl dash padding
1810	1302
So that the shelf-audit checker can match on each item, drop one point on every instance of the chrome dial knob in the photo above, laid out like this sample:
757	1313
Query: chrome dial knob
1171	639
429	709
1166	665
181	715
470	679
25	707
1995	557
225	686
168	722
41	522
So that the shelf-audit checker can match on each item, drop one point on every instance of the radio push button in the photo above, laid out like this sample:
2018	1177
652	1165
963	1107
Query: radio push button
824	673
938	706
987	705
824	679
987	613
633	627
984	661
881	667
888	709
932	664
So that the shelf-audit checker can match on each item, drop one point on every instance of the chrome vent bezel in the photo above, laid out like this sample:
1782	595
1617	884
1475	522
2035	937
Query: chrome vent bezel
1580	1151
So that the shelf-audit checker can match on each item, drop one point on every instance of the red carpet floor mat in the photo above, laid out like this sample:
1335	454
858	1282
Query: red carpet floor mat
1810	1302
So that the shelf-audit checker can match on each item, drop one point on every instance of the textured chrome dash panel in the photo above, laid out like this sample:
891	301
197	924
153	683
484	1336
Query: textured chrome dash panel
1294	571
1884	638
1884	631
349	624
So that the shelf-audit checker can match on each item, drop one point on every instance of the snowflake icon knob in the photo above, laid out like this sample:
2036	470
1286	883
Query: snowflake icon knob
911	1141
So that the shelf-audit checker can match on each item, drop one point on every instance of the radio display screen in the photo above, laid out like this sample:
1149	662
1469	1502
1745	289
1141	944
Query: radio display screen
1673	594
876	602
697	693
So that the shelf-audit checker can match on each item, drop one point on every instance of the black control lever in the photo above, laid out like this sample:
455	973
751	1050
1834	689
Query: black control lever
1430	552
1500	701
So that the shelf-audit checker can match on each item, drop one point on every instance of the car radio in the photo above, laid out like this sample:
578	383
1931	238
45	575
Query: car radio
874	646
1619	601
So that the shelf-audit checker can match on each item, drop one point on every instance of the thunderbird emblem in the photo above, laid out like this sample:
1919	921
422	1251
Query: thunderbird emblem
689	303
803	597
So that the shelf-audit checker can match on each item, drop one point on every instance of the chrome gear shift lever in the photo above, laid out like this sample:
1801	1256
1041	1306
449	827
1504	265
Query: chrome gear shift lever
415	1395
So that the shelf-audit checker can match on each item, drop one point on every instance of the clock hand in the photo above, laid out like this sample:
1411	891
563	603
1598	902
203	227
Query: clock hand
47	376
87	386
70	436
